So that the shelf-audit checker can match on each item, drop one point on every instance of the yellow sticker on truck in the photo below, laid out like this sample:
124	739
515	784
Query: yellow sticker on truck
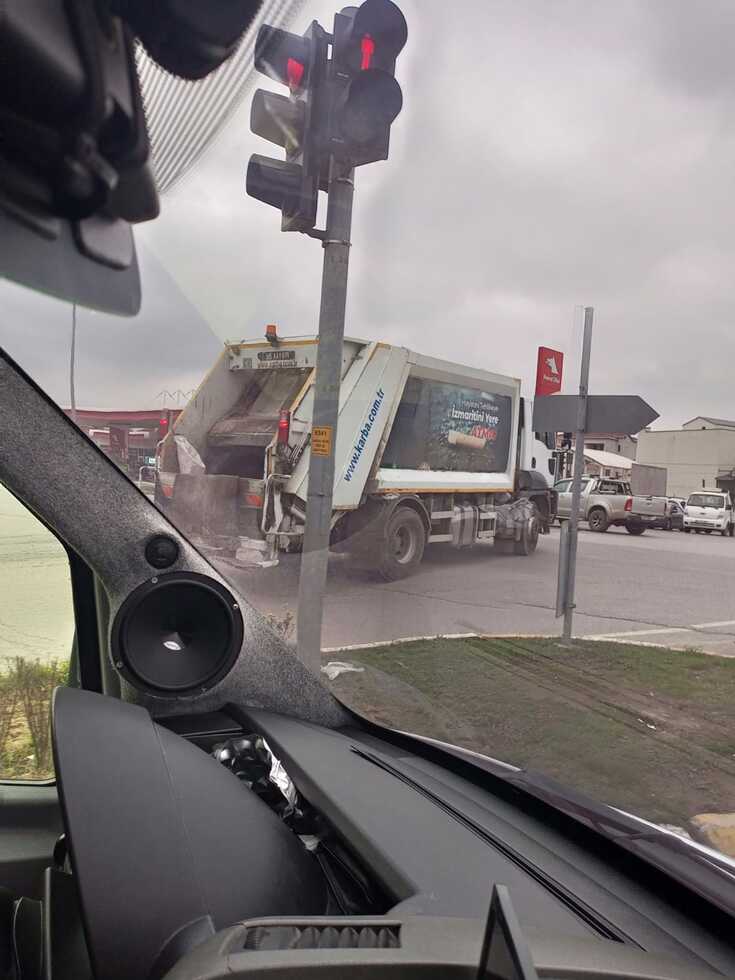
321	440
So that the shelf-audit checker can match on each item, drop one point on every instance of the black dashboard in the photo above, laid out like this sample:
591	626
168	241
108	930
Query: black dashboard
183	872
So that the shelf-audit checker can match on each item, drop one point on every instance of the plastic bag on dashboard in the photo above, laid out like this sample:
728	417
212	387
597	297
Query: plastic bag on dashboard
251	759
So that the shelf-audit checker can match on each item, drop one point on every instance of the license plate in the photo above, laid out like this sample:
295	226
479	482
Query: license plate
271	357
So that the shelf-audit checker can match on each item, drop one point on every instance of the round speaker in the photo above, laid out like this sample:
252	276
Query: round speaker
177	633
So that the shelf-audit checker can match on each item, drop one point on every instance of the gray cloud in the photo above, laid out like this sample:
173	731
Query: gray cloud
548	155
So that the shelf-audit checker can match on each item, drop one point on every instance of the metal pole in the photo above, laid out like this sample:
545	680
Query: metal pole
313	575
571	563
72	357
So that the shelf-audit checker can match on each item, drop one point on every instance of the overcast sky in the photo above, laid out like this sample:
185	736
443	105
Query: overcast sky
549	154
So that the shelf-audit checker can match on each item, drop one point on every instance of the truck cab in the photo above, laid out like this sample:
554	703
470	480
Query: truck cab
709	510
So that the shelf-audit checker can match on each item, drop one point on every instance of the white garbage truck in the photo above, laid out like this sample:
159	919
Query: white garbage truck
425	451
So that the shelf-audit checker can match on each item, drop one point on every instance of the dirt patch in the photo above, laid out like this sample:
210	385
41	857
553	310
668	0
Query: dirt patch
646	729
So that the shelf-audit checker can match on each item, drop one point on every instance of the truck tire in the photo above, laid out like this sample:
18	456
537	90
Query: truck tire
636	529
597	520
529	536
403	547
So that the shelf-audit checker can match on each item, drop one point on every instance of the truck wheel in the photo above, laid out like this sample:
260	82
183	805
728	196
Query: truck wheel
529	536
597	520
403	547
725	531
636	529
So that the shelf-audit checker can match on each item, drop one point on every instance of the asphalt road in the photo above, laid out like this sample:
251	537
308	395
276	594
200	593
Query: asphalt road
666	588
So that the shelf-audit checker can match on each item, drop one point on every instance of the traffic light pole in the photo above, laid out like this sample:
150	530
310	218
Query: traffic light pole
313	575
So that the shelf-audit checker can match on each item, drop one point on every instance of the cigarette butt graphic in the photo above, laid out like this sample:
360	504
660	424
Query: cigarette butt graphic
455	438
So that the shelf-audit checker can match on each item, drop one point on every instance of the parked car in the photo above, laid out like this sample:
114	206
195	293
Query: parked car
674	516
709	510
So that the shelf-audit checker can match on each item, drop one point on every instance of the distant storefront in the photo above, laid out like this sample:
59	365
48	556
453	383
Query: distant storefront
129	438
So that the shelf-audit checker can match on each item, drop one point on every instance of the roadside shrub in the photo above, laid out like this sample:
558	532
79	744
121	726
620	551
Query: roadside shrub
26	687
8	704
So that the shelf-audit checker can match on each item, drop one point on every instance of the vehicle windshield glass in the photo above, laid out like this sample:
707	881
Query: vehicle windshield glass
394	501
712	500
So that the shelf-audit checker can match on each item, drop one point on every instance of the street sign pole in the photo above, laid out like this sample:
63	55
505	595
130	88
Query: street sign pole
568	562
313	575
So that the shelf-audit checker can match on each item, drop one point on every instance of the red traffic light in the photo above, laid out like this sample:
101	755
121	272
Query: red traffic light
374	39
283	56
367	46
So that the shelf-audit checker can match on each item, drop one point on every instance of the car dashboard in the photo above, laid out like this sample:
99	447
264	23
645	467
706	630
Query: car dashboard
383	864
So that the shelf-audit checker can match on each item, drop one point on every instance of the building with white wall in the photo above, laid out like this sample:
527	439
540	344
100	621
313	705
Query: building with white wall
705	422
599	463
611	442
698	455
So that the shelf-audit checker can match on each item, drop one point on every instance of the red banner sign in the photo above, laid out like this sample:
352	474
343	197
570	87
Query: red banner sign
549	371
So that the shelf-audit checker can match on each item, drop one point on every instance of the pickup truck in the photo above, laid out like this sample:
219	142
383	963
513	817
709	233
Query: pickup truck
609	503
708	511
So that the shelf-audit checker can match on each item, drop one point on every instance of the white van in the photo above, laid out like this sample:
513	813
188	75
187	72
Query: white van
708	511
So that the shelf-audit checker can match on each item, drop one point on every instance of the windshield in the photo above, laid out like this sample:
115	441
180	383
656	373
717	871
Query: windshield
394	518
706	500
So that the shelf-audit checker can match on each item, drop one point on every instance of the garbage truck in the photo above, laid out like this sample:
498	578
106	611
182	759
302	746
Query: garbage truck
425	451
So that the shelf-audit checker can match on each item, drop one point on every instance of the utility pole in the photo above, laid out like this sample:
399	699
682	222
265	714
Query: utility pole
313	576
568	561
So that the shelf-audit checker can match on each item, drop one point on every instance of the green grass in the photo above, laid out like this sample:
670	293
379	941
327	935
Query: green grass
644	728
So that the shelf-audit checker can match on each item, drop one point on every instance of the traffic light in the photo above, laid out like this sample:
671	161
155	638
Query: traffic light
366	97
290	121
163	425
337	108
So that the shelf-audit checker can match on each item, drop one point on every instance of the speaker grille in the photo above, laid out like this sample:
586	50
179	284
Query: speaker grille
177	634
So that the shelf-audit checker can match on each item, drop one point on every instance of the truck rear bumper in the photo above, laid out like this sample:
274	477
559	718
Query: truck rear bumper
647	520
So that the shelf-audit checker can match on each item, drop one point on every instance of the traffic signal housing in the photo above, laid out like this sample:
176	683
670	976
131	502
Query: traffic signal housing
292	121
337	108
164	425
366	97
